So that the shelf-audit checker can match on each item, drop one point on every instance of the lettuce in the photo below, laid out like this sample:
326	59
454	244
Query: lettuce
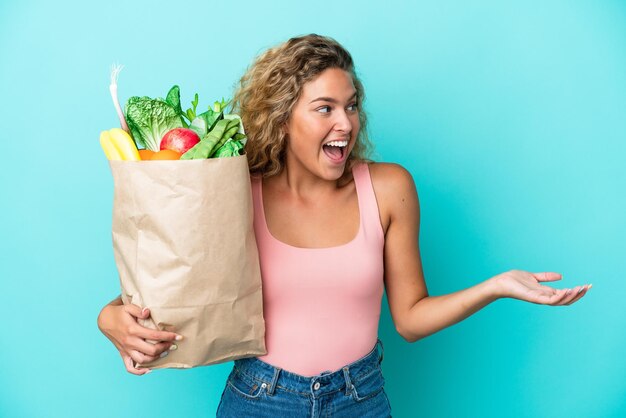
149	119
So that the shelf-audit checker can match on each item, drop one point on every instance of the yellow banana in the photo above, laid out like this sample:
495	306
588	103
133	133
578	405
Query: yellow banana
125	144
118	145
109	149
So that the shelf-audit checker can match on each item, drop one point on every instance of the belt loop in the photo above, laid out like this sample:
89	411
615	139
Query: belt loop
270	390
382	351
346	375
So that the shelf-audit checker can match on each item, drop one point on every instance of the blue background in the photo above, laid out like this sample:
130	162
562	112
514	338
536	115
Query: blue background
509	115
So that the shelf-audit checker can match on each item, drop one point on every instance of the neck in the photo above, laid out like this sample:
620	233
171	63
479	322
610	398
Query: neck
296	180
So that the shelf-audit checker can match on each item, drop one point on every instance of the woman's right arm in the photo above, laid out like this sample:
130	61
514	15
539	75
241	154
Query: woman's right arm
118	322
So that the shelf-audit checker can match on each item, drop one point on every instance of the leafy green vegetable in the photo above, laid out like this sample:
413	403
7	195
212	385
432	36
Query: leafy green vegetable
235	116
199	125
224	129
230	128
149	119
173	99
231	148
240	137
211	118
219	107
191	113
205	122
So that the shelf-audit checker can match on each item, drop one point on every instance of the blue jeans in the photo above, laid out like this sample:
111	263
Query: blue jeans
257	389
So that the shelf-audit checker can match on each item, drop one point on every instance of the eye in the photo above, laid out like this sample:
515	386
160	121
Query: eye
323	109
353	107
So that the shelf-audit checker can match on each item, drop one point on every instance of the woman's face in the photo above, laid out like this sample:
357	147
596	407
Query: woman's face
323	125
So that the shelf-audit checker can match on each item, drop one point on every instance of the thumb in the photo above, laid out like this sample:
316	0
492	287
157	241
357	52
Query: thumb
547	276
137	311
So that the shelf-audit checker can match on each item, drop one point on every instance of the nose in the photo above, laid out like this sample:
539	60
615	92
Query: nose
343	123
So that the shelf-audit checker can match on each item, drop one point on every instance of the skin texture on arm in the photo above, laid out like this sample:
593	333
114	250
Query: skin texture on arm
415	313
399	210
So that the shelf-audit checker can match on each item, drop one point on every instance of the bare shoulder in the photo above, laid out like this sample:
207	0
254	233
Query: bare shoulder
395	190
390	175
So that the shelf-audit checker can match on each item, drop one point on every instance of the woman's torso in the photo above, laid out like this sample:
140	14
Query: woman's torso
322	269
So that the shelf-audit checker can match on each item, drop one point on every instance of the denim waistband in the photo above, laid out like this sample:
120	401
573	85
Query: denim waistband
270	377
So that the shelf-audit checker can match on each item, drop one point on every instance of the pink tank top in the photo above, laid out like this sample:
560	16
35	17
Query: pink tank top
322	305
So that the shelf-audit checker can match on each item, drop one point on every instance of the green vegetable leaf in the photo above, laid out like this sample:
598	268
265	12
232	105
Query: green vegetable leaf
191	112
210	118
199	125
150	119
220	106
235	116
241	138
228	128
173	99
224	129
231	148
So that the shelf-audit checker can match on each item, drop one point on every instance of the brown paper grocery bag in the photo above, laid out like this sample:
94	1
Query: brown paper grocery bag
184	246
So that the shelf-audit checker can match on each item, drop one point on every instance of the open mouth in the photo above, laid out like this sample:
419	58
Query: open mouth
336	150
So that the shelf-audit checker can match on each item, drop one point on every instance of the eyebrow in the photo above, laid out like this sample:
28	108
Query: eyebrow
330	99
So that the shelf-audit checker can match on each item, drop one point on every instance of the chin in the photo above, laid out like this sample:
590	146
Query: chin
333	173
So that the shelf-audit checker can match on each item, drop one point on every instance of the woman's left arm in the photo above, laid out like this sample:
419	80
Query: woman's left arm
416	314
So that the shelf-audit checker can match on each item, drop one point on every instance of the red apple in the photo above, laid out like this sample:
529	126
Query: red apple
179	140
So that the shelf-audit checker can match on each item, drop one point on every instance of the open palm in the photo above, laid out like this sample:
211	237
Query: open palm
523	285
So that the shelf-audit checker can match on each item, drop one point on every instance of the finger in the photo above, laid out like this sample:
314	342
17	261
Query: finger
141	358
137	311
568	295
155	335
147	359
572	295
547	276
562	295
154	350
130	367
577	295
556	297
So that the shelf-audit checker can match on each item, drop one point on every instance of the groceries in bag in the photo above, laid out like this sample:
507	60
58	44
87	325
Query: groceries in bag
182	230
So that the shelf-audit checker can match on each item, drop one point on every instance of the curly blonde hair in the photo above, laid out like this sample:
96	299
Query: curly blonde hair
271	86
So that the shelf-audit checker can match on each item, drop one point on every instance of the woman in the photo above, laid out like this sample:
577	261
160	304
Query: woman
332	229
